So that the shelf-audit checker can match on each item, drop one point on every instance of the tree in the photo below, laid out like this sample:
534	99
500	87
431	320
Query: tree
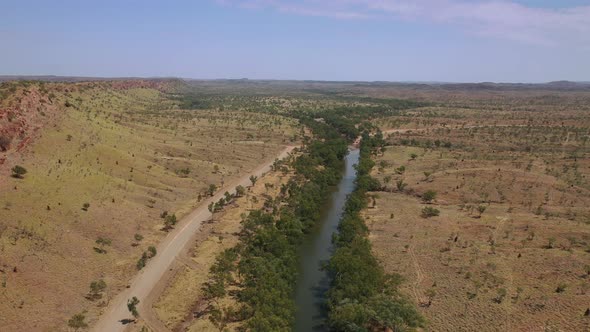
253	179
429	196
78	322
142	261
212	189
228	197
170	221
85	206
240	191
96	289
152	250
132	306
18	172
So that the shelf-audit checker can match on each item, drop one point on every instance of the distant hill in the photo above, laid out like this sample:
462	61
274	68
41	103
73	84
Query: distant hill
481	86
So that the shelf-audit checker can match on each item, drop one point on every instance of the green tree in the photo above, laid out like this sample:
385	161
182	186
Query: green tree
212	189
132	306
253	179
18	172
240	191
170	221
228	196
152	251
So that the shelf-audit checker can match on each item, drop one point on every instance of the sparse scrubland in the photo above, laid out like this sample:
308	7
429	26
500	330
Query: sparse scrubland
504	242
104	162
469	213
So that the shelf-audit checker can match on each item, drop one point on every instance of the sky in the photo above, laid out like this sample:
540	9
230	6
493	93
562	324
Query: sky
344	40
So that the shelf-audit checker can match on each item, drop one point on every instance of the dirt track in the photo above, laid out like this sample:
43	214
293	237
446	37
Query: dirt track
144	283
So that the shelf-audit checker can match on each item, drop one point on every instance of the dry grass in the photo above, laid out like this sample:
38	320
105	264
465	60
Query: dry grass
503	270
182	299
123	152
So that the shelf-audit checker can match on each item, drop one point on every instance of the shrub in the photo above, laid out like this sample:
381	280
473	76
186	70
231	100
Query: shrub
481	209
141	262
212	189
253	179
561	288
18	172
400	184
428	212
85	206
152	251
102	242
429	196
78	322
96	288
170	221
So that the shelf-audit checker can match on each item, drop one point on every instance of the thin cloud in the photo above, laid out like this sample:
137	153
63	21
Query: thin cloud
492	18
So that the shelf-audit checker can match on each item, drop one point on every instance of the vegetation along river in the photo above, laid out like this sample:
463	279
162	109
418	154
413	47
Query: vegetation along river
313	281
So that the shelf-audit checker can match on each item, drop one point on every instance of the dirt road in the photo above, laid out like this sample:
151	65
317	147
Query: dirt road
177	240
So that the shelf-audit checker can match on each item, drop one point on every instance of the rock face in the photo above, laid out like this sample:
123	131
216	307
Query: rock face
27	107
22	114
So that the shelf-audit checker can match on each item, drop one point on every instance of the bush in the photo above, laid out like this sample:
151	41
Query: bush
428	212
78	322
96	288
142	261
152	251
560	288
170	221
18	172
429	196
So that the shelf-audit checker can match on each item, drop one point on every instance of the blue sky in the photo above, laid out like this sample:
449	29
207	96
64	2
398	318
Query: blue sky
391	40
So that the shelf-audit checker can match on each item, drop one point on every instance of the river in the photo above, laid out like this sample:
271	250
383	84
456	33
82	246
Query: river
316	250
